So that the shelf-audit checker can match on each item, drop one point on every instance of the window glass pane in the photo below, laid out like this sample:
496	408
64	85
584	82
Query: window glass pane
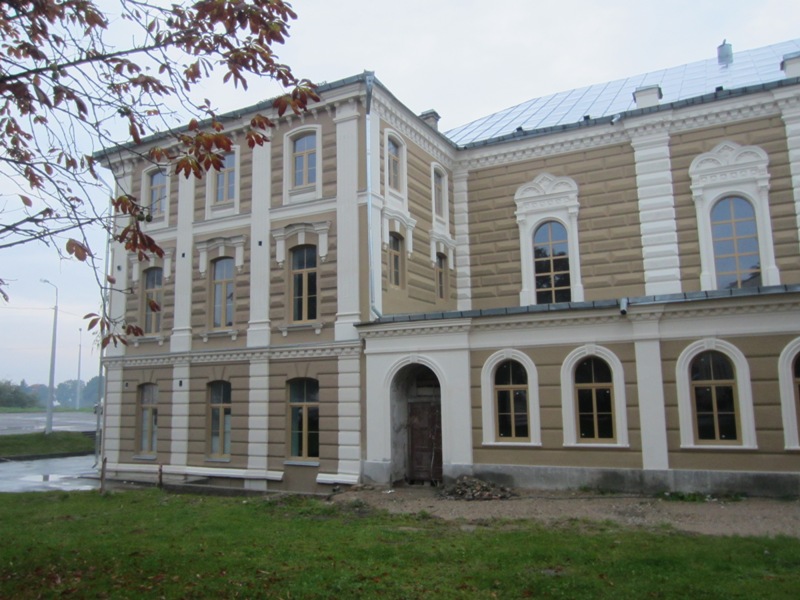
726	264
154	430
298	170
229	305
705	427
585	401
728	281
586	426
312	167
721	367
544	281
749	245
544	297
605	426
227	431
503	401
725	399
560	264
797	367
312	283
703	399
215	431
563	295
745	229
313	431
724	247
297	431
583	372
312	307
520	402
727	427
503	374
504	425
722	230
519	376
721	211
602	372
603	396
742	209
521	425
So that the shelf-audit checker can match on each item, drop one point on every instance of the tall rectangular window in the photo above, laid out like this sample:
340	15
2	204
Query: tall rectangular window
304	283
396	263
148	418
223	293
153	294
593	388
305	160
304	418
226	179
440	275
157	196
736	256
438	194
219	409
551	263
394	165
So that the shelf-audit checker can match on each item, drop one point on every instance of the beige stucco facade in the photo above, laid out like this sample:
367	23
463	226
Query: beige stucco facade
420	280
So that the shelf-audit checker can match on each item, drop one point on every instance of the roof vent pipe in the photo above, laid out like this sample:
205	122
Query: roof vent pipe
724	54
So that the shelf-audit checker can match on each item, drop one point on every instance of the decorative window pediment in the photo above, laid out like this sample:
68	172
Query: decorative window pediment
301	231
219	247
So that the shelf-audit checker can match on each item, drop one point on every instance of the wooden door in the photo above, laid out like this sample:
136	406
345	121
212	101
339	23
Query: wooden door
424	442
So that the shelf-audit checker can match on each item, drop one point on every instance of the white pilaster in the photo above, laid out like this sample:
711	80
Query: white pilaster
181	339
347	248
258	330
650	389
349	423
258	415
119	266
461	222
179	434
789	102
112	414
376	218
656	208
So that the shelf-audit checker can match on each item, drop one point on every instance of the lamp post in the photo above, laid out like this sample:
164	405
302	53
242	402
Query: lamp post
78	381
48	427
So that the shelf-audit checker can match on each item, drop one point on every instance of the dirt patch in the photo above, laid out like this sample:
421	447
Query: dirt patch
705	515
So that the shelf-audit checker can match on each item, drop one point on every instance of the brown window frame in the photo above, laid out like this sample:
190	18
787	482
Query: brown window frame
308	158
147	438
152	292
302	396
715	385
595	387
511	388
225	286
225	180
396	260
220	405
733	242
545	258
309	311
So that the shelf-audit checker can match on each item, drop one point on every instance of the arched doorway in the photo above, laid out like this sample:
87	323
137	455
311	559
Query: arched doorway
416	426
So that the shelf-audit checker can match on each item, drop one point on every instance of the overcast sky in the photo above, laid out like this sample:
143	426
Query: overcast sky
463	58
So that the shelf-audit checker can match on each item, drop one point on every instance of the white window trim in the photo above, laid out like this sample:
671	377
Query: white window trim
225	209
487	398
281	234
788	394
548	198
222	247
568	397
292	195
732	170
397	199
401	223
163	221
743	391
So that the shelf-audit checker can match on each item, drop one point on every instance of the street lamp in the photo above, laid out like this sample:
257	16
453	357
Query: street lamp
48	427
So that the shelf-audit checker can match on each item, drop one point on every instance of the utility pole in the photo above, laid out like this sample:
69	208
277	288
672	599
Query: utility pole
48	426
78	381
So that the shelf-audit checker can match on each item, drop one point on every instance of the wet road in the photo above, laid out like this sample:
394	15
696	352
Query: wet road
14	423
48	475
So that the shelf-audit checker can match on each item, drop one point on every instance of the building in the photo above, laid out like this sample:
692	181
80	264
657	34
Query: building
597	288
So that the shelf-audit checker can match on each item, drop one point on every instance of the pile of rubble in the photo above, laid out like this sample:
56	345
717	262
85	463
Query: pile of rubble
470	488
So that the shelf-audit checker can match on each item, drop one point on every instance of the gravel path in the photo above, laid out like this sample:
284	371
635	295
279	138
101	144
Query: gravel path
746	517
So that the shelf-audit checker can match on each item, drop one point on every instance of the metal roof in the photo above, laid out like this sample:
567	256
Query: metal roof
749	68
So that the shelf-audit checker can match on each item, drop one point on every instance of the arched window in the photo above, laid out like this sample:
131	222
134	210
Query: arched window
551	263
789	381
304	283
735	237
148	418
152	299
304	160
222	289
304	418
511	402
713	382
593	389
396	260
219	419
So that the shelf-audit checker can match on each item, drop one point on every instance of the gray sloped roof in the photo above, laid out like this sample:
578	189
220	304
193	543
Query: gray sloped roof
749	67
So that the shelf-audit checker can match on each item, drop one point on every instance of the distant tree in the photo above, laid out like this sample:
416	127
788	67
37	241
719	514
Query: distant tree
93	392
65	393
14	396
41	392
73	74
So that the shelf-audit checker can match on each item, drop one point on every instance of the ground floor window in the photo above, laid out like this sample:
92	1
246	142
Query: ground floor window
219	408
148	418
595	400
304	418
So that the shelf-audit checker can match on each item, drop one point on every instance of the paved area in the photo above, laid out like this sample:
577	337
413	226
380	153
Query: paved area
14	423
53	474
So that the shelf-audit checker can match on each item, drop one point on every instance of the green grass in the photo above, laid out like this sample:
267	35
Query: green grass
150	543
58	442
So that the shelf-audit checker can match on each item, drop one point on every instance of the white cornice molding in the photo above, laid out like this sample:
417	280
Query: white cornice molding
399	329
411	128
336	350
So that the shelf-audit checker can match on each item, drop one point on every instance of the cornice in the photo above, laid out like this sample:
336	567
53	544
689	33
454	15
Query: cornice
725	112
403	329
414	131
242	355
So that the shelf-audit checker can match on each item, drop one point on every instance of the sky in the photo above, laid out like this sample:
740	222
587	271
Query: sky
463	58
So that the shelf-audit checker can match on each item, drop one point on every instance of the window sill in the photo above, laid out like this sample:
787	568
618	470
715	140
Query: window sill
596	445
148	339
511	444
285	329
217	333
149	457
707	447
217	459
301	463
306	193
